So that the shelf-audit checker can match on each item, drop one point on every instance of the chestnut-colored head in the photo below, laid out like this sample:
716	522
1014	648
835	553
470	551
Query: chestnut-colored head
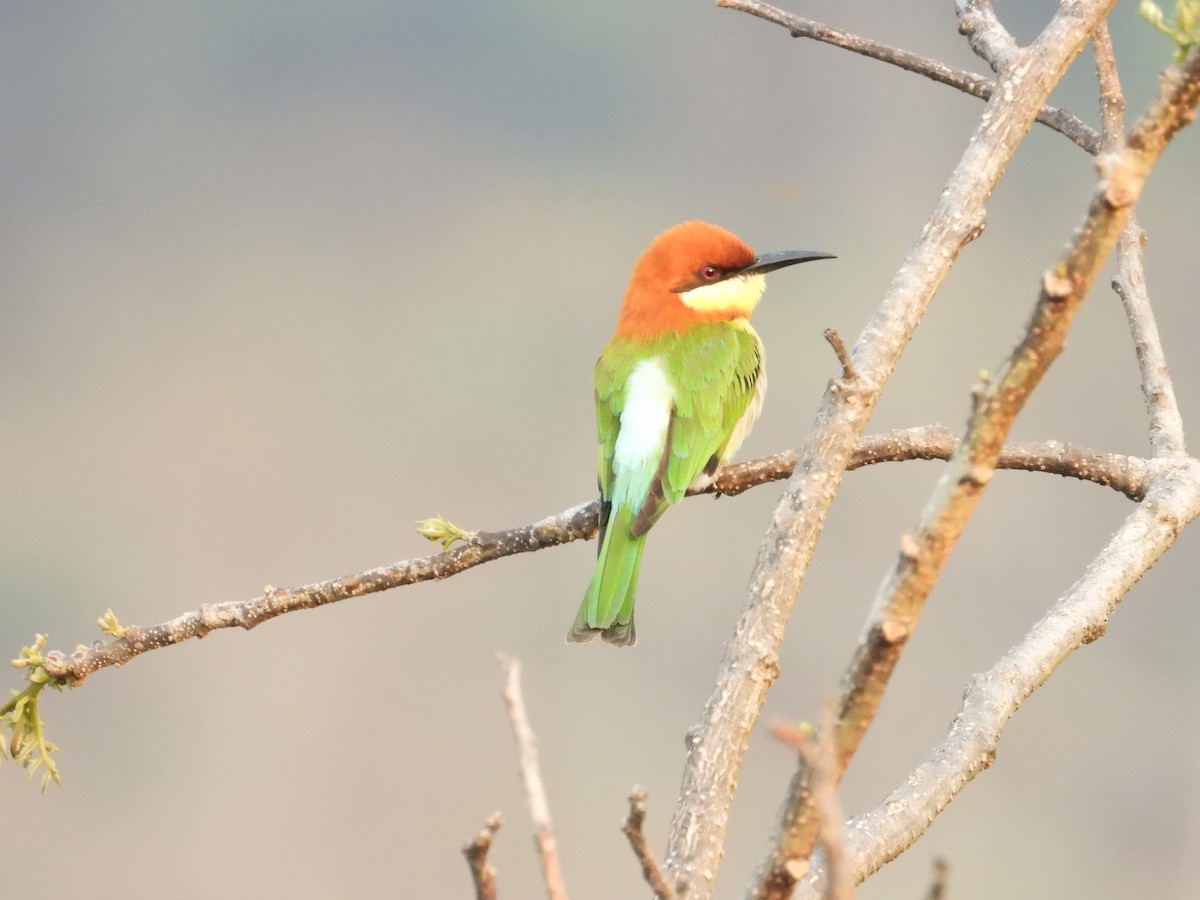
696	272
680	259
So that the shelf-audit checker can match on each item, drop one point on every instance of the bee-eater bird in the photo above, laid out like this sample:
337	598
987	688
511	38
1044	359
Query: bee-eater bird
677	390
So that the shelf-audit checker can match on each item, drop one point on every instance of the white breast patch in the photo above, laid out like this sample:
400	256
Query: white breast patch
644	420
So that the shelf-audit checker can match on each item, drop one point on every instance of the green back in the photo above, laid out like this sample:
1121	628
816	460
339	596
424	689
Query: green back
713	369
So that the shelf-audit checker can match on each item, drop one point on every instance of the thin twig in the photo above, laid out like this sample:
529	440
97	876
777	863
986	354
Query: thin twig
1112	101
839	349
535	789
937	886
1122	473
820	758
717	746
1079	617
900	601
1166	423
482	873
634	831
975	85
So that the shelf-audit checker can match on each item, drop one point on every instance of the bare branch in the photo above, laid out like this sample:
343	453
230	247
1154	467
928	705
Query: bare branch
482	873
633	829
899	603
1122	473
971	83
535	789
718	745
577	523
1079	617
1127	474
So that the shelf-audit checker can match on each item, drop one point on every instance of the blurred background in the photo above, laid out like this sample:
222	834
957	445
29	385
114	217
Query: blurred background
278	279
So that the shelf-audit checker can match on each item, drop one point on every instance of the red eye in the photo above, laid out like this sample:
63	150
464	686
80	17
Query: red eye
708	273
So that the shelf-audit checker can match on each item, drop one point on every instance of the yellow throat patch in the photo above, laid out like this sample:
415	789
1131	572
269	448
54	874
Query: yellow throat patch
739	295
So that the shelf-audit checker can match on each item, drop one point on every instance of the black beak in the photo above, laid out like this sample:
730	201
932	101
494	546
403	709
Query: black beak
769	262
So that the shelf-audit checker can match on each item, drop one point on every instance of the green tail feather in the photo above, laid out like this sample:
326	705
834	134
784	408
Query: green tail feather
607	608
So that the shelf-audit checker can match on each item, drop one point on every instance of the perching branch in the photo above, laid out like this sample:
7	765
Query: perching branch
899	603
718	745
535	788
971	83
1126	474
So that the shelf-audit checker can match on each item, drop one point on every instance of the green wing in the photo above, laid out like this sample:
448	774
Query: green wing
715	369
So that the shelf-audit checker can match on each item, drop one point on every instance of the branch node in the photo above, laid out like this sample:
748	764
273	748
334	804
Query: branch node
1121	181
979	391
978	475
893	631
1056	286
976	230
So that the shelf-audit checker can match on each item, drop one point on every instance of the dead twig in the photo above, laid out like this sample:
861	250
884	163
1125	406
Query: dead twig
820	758
633	830
483	875
839	348
1112	100
1166	424
535	788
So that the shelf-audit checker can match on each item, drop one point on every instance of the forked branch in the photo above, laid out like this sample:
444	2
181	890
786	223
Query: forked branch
717	747
898	606
1079	617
